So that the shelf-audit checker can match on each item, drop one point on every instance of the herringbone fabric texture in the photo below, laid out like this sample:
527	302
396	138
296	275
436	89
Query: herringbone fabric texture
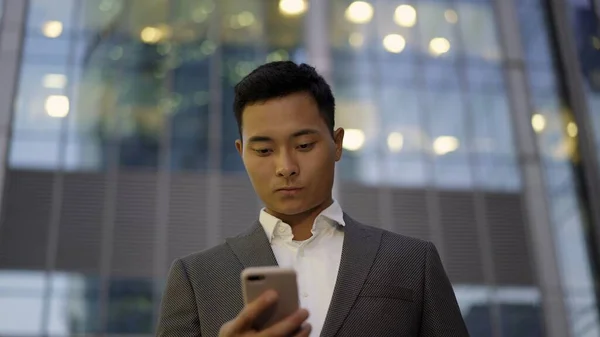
388	285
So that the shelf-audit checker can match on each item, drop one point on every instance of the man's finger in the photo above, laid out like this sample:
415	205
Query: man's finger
289	325
252	310
305	331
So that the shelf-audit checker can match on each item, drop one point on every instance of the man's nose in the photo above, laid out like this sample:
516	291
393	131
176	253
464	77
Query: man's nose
287	166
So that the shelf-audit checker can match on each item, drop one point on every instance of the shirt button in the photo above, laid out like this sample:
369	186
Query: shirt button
304	294
281	229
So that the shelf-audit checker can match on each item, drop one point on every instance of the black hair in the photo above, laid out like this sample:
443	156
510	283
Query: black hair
279	79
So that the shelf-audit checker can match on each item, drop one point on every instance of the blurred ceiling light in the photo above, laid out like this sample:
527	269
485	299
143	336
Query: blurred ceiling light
565	149
199	15
244	68
278	55
201	98
245	19
394	43
151	35
439	46
405	16
395	141
491	54
52	29
538	122
292	7
57	106
55	81
572	129
116	53
106	5
208	47
596	42
164	48
445	144
451	16
356	40
354	139
359	12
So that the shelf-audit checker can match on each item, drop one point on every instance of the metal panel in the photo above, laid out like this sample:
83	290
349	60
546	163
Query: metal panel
24	227
238	207
187	224
80	229
459	229
409	213
133	239
361	203
508	239
132	244
12	26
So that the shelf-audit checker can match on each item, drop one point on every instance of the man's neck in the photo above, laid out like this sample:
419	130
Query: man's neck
302	223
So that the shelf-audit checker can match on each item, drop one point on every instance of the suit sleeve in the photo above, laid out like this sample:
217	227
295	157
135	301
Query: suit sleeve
441	315
178	312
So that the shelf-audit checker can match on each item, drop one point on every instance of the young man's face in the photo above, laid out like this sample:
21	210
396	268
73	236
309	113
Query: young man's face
289	153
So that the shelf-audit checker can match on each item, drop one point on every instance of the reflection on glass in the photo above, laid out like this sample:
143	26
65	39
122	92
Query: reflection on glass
421	117
587	37
21	302
475	306
21	314
74	305
72	309
553	125
41	154
130	307
518	310
274	35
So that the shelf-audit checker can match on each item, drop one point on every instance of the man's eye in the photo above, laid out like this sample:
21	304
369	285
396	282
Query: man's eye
305	147
262	152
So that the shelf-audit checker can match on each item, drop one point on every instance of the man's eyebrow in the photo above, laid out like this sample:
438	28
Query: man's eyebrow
305	132
257	139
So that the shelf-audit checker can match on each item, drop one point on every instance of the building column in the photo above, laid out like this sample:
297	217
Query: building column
12	32
596	5
318	48
573	89
534	188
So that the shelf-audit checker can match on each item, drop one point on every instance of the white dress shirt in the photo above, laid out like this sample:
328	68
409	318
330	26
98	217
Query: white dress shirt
316	260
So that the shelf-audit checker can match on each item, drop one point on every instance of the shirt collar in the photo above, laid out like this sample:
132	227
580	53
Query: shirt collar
332	215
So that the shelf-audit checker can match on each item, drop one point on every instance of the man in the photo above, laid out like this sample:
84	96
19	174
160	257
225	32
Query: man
354	280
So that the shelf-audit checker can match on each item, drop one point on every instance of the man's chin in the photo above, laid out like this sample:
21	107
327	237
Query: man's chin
290	208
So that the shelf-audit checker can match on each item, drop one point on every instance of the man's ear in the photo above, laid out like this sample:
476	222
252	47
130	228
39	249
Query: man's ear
239	146
338	138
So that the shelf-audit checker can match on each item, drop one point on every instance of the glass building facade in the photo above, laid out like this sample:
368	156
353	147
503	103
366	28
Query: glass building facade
474	124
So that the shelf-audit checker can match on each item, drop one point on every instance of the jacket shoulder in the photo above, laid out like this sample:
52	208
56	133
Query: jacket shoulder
209	260
397	239
389	237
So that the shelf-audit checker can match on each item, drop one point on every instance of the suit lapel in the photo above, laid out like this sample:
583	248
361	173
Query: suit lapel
358	253
253	248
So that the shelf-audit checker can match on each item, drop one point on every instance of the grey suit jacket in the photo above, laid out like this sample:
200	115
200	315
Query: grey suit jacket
388	285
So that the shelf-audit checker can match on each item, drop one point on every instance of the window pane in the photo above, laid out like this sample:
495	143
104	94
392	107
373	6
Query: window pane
556	134
475	306
36	154
74	305
21	315
21	302
587	37
407	101
42	99
130	307
254	32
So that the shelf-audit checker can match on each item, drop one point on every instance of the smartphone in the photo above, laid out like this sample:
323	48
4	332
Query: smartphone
257	280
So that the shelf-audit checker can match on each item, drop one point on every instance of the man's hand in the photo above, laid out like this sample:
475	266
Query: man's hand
242	324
